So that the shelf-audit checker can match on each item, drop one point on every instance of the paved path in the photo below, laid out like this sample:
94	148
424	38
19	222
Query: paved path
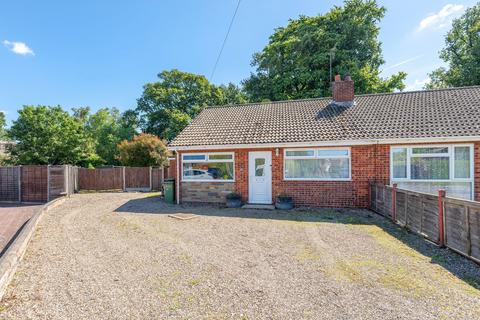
119	256
12	218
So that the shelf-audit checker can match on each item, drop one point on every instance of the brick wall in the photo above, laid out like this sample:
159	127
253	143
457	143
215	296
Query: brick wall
369	164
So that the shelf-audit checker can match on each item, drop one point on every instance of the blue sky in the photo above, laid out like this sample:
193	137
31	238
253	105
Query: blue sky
101	53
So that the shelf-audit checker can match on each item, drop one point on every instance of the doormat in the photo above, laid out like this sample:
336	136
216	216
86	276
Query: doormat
183	216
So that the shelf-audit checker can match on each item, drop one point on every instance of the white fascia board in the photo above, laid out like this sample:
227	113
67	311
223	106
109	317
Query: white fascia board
328	143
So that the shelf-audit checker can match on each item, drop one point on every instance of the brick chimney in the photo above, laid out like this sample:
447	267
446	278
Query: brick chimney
343	90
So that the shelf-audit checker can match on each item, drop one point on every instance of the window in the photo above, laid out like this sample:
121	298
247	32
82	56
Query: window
428	169
208	167
317	164
259	167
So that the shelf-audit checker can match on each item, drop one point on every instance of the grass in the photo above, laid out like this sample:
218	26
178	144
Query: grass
194	282
307	254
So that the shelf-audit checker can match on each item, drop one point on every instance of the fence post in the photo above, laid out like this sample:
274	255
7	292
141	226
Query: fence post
394	203
19	183
441	218
48	183
65	179
150	170
123	175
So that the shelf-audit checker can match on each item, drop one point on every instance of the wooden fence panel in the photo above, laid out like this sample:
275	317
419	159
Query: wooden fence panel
57	179
402	207
9	183
462	226
419	212
137	178
429	227
100	179
474	221
34	181
158	175
381	197
414	213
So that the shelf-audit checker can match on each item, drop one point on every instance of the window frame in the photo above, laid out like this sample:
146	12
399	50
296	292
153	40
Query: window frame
207	160
316	156
451	164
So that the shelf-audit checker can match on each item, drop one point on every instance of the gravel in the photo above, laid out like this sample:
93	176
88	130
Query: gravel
119	256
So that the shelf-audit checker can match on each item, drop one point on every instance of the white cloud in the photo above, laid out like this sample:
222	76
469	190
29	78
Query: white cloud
20	48
442	18
401	63
418	84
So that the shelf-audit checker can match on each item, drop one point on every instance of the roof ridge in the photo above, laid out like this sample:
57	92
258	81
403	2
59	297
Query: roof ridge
329	97
266	102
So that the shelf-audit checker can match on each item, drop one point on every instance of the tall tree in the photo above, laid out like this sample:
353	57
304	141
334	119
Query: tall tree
461	53
106	128
143	151
295	63
3	130
168	105
49	135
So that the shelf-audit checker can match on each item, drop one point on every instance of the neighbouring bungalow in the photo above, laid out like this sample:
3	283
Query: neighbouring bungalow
327	151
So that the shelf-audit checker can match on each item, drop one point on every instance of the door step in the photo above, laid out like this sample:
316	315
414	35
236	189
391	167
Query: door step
259	206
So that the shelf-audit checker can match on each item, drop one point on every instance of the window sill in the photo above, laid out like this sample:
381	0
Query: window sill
323	180
213	181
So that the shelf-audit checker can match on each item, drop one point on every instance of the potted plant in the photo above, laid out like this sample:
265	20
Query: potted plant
284	202
234	200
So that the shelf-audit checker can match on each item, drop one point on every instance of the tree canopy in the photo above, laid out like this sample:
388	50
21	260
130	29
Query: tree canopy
143	151
49	135
3	130
461	53
295	63
105	129
168	105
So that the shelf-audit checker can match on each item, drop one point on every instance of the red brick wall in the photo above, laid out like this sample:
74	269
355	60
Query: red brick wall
171	169
369	164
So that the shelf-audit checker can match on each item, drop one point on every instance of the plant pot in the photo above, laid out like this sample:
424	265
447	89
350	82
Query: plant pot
284	205
234	203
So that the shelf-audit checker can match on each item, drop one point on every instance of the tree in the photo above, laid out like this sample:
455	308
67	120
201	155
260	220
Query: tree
3	123
143	151
168	105
295	64
106	128
49	135
461	53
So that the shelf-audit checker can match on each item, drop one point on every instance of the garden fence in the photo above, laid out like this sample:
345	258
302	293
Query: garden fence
121	178
450	222
36	183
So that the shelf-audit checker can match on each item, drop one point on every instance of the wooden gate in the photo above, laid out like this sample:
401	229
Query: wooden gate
34	185
138	178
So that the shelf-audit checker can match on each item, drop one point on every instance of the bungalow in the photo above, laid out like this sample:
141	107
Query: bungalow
326	152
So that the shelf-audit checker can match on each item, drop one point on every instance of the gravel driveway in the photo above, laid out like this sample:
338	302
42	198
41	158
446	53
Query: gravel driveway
119	256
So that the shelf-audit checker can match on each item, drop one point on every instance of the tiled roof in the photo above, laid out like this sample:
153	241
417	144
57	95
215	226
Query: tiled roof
420	114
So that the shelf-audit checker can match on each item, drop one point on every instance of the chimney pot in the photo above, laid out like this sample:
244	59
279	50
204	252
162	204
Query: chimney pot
337	78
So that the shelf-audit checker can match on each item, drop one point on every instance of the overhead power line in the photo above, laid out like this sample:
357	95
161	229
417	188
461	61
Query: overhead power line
225	40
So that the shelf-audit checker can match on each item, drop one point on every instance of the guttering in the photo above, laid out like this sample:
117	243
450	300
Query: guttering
328	143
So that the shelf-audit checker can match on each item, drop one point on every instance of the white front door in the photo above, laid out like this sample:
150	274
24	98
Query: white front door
260	177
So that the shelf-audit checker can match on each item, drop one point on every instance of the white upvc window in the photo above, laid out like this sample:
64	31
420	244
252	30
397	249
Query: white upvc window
208	167
317	164
432	167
